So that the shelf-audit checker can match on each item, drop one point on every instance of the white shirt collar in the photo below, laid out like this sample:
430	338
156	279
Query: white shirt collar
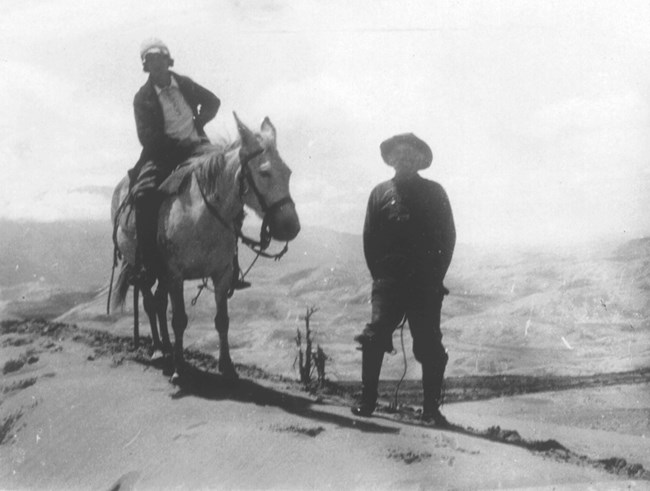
173	84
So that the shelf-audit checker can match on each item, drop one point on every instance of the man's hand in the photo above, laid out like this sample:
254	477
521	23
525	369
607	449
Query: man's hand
186	143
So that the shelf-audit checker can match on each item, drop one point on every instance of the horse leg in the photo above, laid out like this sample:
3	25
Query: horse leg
161	306
222	324
150	308
179	323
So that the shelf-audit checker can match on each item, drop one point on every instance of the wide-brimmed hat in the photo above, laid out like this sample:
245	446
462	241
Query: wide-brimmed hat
412	141
153	45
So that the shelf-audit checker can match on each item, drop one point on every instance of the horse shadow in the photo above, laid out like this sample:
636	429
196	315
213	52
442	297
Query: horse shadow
215	387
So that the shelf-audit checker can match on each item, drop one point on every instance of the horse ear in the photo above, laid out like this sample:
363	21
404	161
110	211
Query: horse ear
268	130
246	135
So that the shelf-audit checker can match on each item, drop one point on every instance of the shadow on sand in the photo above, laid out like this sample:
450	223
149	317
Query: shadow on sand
209	385
549	448
200	381
212	386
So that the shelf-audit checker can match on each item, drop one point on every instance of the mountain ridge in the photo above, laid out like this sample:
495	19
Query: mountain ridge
520	310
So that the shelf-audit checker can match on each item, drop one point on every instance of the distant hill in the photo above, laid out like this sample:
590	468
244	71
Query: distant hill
75	255
78	255
519	311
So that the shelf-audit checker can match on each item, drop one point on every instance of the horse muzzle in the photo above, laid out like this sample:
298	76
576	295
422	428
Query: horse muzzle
283	221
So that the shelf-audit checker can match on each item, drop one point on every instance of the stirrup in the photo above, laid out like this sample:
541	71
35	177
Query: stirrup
239	284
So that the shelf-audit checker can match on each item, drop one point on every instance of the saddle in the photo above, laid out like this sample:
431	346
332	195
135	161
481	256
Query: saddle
169	187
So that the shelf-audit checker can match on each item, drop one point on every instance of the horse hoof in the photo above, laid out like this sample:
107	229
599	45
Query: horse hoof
175	378
156	355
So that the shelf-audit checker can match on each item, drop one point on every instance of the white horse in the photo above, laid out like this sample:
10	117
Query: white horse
198	228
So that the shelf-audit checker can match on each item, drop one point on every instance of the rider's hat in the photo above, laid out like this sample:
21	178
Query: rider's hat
153	45
408	139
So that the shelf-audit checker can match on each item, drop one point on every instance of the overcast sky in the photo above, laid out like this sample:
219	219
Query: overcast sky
538	113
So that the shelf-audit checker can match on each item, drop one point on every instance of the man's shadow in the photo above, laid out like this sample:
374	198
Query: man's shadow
215	387
212	386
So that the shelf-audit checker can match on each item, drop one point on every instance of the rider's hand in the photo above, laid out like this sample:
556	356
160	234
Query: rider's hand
186	143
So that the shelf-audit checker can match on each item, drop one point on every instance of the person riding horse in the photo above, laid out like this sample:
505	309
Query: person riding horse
198	232
171	112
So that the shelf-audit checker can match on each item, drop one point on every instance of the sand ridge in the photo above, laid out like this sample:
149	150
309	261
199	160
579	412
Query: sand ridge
82	408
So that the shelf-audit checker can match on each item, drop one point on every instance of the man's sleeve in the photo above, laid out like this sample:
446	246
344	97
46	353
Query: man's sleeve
205	103
370	233
149	134
448	233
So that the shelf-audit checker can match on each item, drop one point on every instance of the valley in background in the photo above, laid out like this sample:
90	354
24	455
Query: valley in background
571	311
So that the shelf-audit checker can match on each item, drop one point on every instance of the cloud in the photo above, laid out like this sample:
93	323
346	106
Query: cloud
55	137
536	112
588	114
55	204
35	23
33	95
105	192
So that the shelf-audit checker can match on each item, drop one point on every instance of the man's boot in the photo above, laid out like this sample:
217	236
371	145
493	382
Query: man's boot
432	379
371	361
146	226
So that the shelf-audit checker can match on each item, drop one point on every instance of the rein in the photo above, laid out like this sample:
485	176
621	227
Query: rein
265	234
257	246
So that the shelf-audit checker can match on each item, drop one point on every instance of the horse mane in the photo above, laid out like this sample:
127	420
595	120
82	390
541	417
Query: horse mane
209	165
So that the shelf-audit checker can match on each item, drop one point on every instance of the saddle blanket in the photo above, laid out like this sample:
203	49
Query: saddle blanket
173	183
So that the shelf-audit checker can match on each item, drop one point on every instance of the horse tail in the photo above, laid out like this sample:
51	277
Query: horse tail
122	284
119	205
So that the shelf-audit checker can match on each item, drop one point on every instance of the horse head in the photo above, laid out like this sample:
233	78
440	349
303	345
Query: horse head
266	180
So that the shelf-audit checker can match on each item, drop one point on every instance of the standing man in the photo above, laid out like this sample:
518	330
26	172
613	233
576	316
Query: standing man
408	240
170	113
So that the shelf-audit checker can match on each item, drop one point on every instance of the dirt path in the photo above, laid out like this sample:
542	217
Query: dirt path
80	409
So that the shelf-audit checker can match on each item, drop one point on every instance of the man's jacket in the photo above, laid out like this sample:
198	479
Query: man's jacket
150	121
409	231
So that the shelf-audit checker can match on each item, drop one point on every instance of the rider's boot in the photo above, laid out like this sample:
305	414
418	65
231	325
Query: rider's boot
238	282
146	224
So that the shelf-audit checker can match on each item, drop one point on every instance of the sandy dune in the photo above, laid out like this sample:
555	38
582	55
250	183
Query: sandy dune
79	411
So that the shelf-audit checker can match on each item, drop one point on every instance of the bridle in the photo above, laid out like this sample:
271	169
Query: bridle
246	178
257	246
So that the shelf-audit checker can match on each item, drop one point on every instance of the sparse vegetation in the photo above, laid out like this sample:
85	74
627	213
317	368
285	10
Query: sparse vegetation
408	456
320	358
311	432
16	342
13	366
461	388
16	364
310	359
7	426
19	385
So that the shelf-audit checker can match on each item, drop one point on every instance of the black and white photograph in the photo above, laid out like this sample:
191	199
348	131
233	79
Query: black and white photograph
309	244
